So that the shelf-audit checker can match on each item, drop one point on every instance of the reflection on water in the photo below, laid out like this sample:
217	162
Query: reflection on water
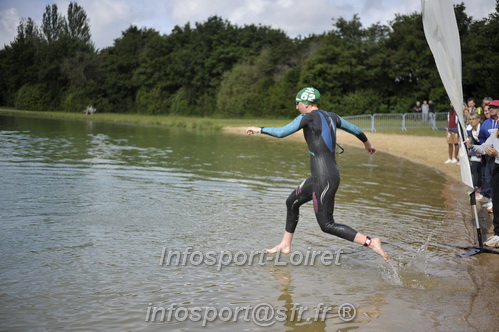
87	209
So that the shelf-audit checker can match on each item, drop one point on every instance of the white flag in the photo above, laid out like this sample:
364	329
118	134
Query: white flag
442	34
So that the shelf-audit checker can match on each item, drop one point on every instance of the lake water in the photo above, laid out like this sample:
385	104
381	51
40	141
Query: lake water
97	218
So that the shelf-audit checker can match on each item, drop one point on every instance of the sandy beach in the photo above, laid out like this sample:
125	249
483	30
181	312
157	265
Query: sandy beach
429	151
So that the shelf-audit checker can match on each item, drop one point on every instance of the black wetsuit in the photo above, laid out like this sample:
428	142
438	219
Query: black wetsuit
319	128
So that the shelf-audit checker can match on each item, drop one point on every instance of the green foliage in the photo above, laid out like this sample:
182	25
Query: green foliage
480	58
78	98
22	53
53	23
73	101
237	91
119	64
180	102
152	101
218	69
48	58
77	25
361	102
33	98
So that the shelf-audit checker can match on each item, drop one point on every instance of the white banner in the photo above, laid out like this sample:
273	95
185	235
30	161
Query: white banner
442	34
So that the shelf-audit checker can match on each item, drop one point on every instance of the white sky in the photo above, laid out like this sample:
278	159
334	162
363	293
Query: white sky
108	18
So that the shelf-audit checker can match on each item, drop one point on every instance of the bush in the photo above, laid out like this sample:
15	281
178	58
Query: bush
33	98
78	98
180	103
76	101
359	102
402	104
152	101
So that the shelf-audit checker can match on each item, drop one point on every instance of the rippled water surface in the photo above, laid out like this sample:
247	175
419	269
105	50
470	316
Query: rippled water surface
89	210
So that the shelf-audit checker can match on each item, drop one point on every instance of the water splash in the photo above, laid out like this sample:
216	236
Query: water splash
412	274
391	275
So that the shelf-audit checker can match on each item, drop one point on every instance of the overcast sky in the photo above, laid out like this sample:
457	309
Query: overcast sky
108	18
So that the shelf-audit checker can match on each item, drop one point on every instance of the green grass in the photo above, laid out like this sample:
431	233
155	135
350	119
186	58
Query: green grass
200	122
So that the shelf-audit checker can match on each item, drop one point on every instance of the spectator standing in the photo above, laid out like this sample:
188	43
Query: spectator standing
431	108
417	107
475	158
425	108
452	136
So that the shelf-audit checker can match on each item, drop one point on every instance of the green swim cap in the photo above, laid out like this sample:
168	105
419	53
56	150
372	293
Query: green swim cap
308	96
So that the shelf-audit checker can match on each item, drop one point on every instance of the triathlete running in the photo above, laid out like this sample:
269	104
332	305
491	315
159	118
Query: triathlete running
319	128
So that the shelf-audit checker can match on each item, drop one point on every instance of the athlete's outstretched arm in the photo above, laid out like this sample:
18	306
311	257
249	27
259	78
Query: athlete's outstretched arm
287	130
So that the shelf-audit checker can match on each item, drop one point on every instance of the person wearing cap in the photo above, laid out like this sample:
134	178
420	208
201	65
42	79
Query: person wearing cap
319	129
491	148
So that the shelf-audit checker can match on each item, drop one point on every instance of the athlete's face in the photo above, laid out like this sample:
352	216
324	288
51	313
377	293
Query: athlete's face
302	108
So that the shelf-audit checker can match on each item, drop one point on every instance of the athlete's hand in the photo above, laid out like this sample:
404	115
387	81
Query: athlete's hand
252	130
371	149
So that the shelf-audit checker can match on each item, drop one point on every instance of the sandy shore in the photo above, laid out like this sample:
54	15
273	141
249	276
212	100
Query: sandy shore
429	151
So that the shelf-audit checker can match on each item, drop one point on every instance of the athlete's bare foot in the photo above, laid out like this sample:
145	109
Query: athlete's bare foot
281	248
375	245
284	246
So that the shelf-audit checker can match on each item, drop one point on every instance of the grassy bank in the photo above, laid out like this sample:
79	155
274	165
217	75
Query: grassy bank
190	122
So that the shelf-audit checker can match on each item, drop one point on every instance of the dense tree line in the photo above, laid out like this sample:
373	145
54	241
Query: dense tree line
215	68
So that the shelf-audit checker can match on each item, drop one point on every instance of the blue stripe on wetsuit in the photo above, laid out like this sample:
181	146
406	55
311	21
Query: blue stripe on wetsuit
326	132
287	130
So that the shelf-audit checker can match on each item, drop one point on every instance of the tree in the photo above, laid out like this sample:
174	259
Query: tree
480	57
215	67
411	66
349	61
52	23
19	61
77	24
238	94
120	63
